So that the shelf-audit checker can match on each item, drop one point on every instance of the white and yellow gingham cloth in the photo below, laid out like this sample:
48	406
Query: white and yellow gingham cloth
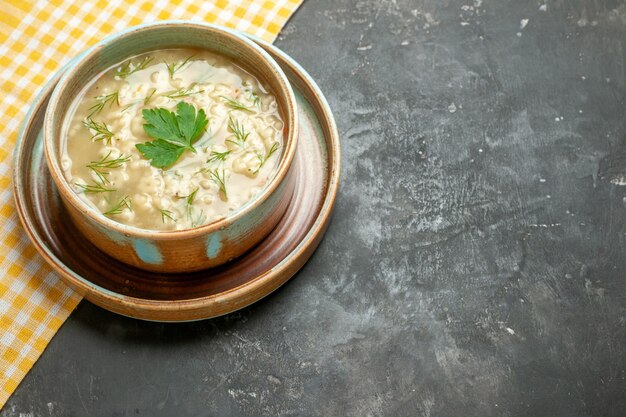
36	39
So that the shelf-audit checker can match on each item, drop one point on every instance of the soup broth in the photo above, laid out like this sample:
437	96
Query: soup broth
172	140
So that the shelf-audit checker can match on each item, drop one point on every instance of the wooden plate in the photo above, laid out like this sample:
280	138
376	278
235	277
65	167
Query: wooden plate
199	295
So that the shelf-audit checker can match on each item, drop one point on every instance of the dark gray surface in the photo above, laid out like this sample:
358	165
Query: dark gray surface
475	263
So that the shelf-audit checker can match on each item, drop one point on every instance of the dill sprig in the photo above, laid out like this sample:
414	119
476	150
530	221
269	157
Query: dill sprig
175	66
238	130
217	156
100	167
167	214
149	96
128	106
95	188
191	196
119	207
190	199
102	101
256	100
220	180
198	220
182	92
145	101
263	158
236	105
101	130
128	67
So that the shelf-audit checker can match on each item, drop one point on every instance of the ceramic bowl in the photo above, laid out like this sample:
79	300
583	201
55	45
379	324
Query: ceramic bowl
205	246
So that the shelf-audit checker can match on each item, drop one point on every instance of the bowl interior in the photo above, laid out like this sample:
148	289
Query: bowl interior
165	35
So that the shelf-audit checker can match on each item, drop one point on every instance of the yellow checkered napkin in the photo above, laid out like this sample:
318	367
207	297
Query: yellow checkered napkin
36	39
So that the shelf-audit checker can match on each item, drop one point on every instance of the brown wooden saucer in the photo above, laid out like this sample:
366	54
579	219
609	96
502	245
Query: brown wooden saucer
193	296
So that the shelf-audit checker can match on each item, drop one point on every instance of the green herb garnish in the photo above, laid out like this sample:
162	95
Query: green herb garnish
167	214
174	67
100	167
94	188
256	100
218	156
161	153
238	130
190	199
128	106
119	207
101	130
263	158
198	220
220	180
129	68
149	96
191	196
173	133
182	92
236	105
103	101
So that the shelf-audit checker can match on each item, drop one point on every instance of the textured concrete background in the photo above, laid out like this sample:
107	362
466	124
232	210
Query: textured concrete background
475	264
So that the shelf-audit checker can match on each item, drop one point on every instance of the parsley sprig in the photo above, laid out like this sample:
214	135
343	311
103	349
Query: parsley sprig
173	133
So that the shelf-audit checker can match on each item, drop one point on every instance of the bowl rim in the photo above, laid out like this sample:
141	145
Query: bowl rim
53	163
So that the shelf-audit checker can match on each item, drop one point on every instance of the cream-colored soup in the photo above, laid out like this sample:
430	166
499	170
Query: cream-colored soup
106	159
